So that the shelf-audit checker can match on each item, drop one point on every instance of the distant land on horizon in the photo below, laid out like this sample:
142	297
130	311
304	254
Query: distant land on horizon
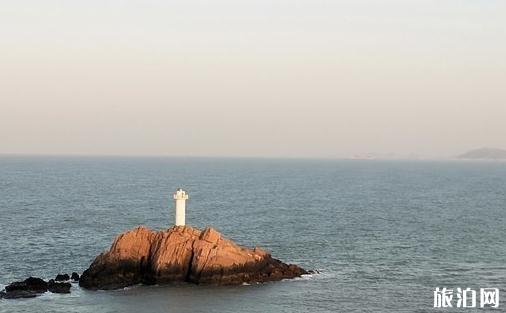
484	154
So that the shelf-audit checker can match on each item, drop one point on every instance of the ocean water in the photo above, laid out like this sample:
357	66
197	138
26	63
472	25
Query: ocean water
383	234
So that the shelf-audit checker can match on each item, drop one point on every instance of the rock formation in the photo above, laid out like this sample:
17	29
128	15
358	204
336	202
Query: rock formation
28	288
58	287
74	277
33	287
62	277
181	254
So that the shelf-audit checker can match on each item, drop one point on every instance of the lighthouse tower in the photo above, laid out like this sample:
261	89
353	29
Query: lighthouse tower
180	198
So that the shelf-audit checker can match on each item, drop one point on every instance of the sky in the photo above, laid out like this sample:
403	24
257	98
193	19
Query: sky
252	78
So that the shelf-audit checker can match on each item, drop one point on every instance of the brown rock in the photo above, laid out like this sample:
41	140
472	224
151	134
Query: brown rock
124	264
182	254
172	254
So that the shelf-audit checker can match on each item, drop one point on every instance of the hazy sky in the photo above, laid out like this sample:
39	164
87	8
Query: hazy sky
287	78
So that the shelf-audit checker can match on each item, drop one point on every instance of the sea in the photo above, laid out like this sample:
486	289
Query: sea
383	235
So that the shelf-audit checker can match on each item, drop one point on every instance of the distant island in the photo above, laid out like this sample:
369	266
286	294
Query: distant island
484	154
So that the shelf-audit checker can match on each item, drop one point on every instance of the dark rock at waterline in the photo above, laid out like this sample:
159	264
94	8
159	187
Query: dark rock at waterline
18	294
62	277
182	254
28	288
58	287
74	276
30	284
33	286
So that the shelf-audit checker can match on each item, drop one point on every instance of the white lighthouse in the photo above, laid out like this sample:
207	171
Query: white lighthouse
180	198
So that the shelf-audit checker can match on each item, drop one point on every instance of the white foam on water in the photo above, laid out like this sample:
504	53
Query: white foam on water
75	291
49	295
133	287
306	277
325	275
319	275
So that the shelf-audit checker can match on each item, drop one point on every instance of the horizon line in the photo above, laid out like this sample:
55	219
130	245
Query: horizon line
336	158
